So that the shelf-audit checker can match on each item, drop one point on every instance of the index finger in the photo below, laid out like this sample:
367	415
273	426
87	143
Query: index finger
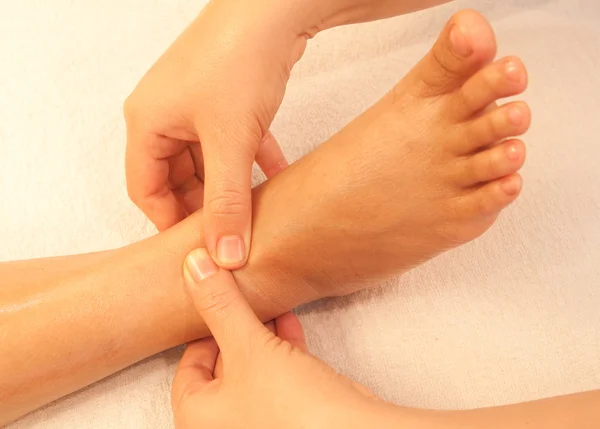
269	156
147	176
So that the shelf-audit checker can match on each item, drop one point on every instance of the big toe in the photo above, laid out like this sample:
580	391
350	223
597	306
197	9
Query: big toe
465	45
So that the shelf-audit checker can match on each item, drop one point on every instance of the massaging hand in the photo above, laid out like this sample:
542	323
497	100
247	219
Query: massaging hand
201	115
252	377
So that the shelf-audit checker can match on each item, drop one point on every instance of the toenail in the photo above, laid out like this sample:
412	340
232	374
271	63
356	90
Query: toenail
510	186
515	116
460	41
512	71
512	153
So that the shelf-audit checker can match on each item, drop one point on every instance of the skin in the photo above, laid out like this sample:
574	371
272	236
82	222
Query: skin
269	377
316	250
200	117
410	205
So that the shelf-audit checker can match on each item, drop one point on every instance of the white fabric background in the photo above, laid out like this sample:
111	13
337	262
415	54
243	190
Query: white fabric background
511	317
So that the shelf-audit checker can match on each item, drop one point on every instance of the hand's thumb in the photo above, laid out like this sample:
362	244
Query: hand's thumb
221	304
228	201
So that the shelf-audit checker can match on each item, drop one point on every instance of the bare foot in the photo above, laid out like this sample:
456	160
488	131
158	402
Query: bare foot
429	167
446	140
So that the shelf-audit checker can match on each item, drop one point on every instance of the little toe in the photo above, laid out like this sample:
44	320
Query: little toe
510	120
491	198
464	46
503	78
491	164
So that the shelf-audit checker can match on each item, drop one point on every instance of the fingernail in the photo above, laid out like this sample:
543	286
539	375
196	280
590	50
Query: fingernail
230	250
460	41
200	265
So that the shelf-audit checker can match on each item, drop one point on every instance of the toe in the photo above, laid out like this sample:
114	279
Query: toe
465	45
504	78
509	120
491	164
494	196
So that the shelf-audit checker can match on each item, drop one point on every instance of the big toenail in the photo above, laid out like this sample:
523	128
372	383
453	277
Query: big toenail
512	153
509	186
512	71
515	116
460	41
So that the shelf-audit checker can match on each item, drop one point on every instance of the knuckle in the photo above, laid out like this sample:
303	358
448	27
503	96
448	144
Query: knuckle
215	302
135	113
227	203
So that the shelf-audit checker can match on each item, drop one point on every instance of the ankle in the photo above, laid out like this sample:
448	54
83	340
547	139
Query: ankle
269	287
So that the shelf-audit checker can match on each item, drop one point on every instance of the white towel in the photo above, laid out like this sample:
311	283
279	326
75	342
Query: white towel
511	317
